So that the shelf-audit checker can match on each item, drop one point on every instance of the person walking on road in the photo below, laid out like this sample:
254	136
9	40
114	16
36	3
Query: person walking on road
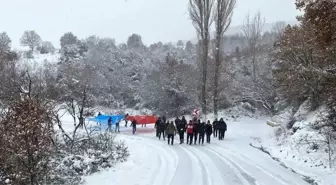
208	131
180	129
196	125
156	126
184	123
215	127
117	126
126	119
190	132
201	132
184	127
161	128
133	125
171	132
222	127
109	124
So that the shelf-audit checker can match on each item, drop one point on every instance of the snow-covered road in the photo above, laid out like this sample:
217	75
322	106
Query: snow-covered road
228	162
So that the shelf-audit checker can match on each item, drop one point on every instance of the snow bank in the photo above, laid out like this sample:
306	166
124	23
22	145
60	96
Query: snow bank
302	148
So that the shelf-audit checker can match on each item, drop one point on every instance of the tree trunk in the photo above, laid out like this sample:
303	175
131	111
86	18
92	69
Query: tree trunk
204	74
216	78
253	62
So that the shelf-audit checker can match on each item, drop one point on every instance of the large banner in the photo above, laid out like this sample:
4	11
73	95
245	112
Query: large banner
102	119
142	119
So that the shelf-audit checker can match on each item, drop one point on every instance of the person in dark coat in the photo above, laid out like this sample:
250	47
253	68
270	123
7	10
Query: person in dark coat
222	127
126	121
164	119
99	114
133	124
180	129
190	132
196	125
165	126
184	123
109	124
208	131
162	128
156	126
215	127
171	132
201	132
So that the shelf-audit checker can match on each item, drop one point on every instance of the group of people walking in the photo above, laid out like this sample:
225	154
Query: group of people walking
117	127
195	129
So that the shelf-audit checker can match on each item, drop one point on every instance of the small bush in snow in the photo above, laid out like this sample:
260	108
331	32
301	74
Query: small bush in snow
89	154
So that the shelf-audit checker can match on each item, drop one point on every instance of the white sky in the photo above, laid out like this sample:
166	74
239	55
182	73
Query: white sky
154	20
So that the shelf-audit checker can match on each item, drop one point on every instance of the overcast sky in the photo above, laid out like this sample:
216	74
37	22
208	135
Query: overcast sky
154	20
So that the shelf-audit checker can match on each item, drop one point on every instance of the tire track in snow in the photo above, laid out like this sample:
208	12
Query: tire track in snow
162	174
158	167
184	164
205	173
244	177
246	160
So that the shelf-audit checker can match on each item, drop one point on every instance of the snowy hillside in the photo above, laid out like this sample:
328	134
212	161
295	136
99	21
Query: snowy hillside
38	61
303	148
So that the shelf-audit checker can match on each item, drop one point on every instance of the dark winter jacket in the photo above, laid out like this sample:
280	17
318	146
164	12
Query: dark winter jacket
208	129
157	123
162	127
215	125
196	127
201	128
177	121
180	127
109	122
222	125
133	124
171	129
184	123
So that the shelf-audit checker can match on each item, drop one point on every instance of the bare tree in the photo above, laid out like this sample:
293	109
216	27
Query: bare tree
252	30
223	15
200	12
30	39
279	28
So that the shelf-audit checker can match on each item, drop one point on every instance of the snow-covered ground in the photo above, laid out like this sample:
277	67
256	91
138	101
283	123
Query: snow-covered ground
231	161
38	62
304	150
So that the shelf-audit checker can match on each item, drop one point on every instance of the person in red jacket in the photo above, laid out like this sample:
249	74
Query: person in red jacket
190	132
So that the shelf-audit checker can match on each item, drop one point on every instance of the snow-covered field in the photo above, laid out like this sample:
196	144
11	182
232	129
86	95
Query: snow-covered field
232	161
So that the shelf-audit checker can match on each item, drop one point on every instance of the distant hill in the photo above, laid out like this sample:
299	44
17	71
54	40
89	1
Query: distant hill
238	29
